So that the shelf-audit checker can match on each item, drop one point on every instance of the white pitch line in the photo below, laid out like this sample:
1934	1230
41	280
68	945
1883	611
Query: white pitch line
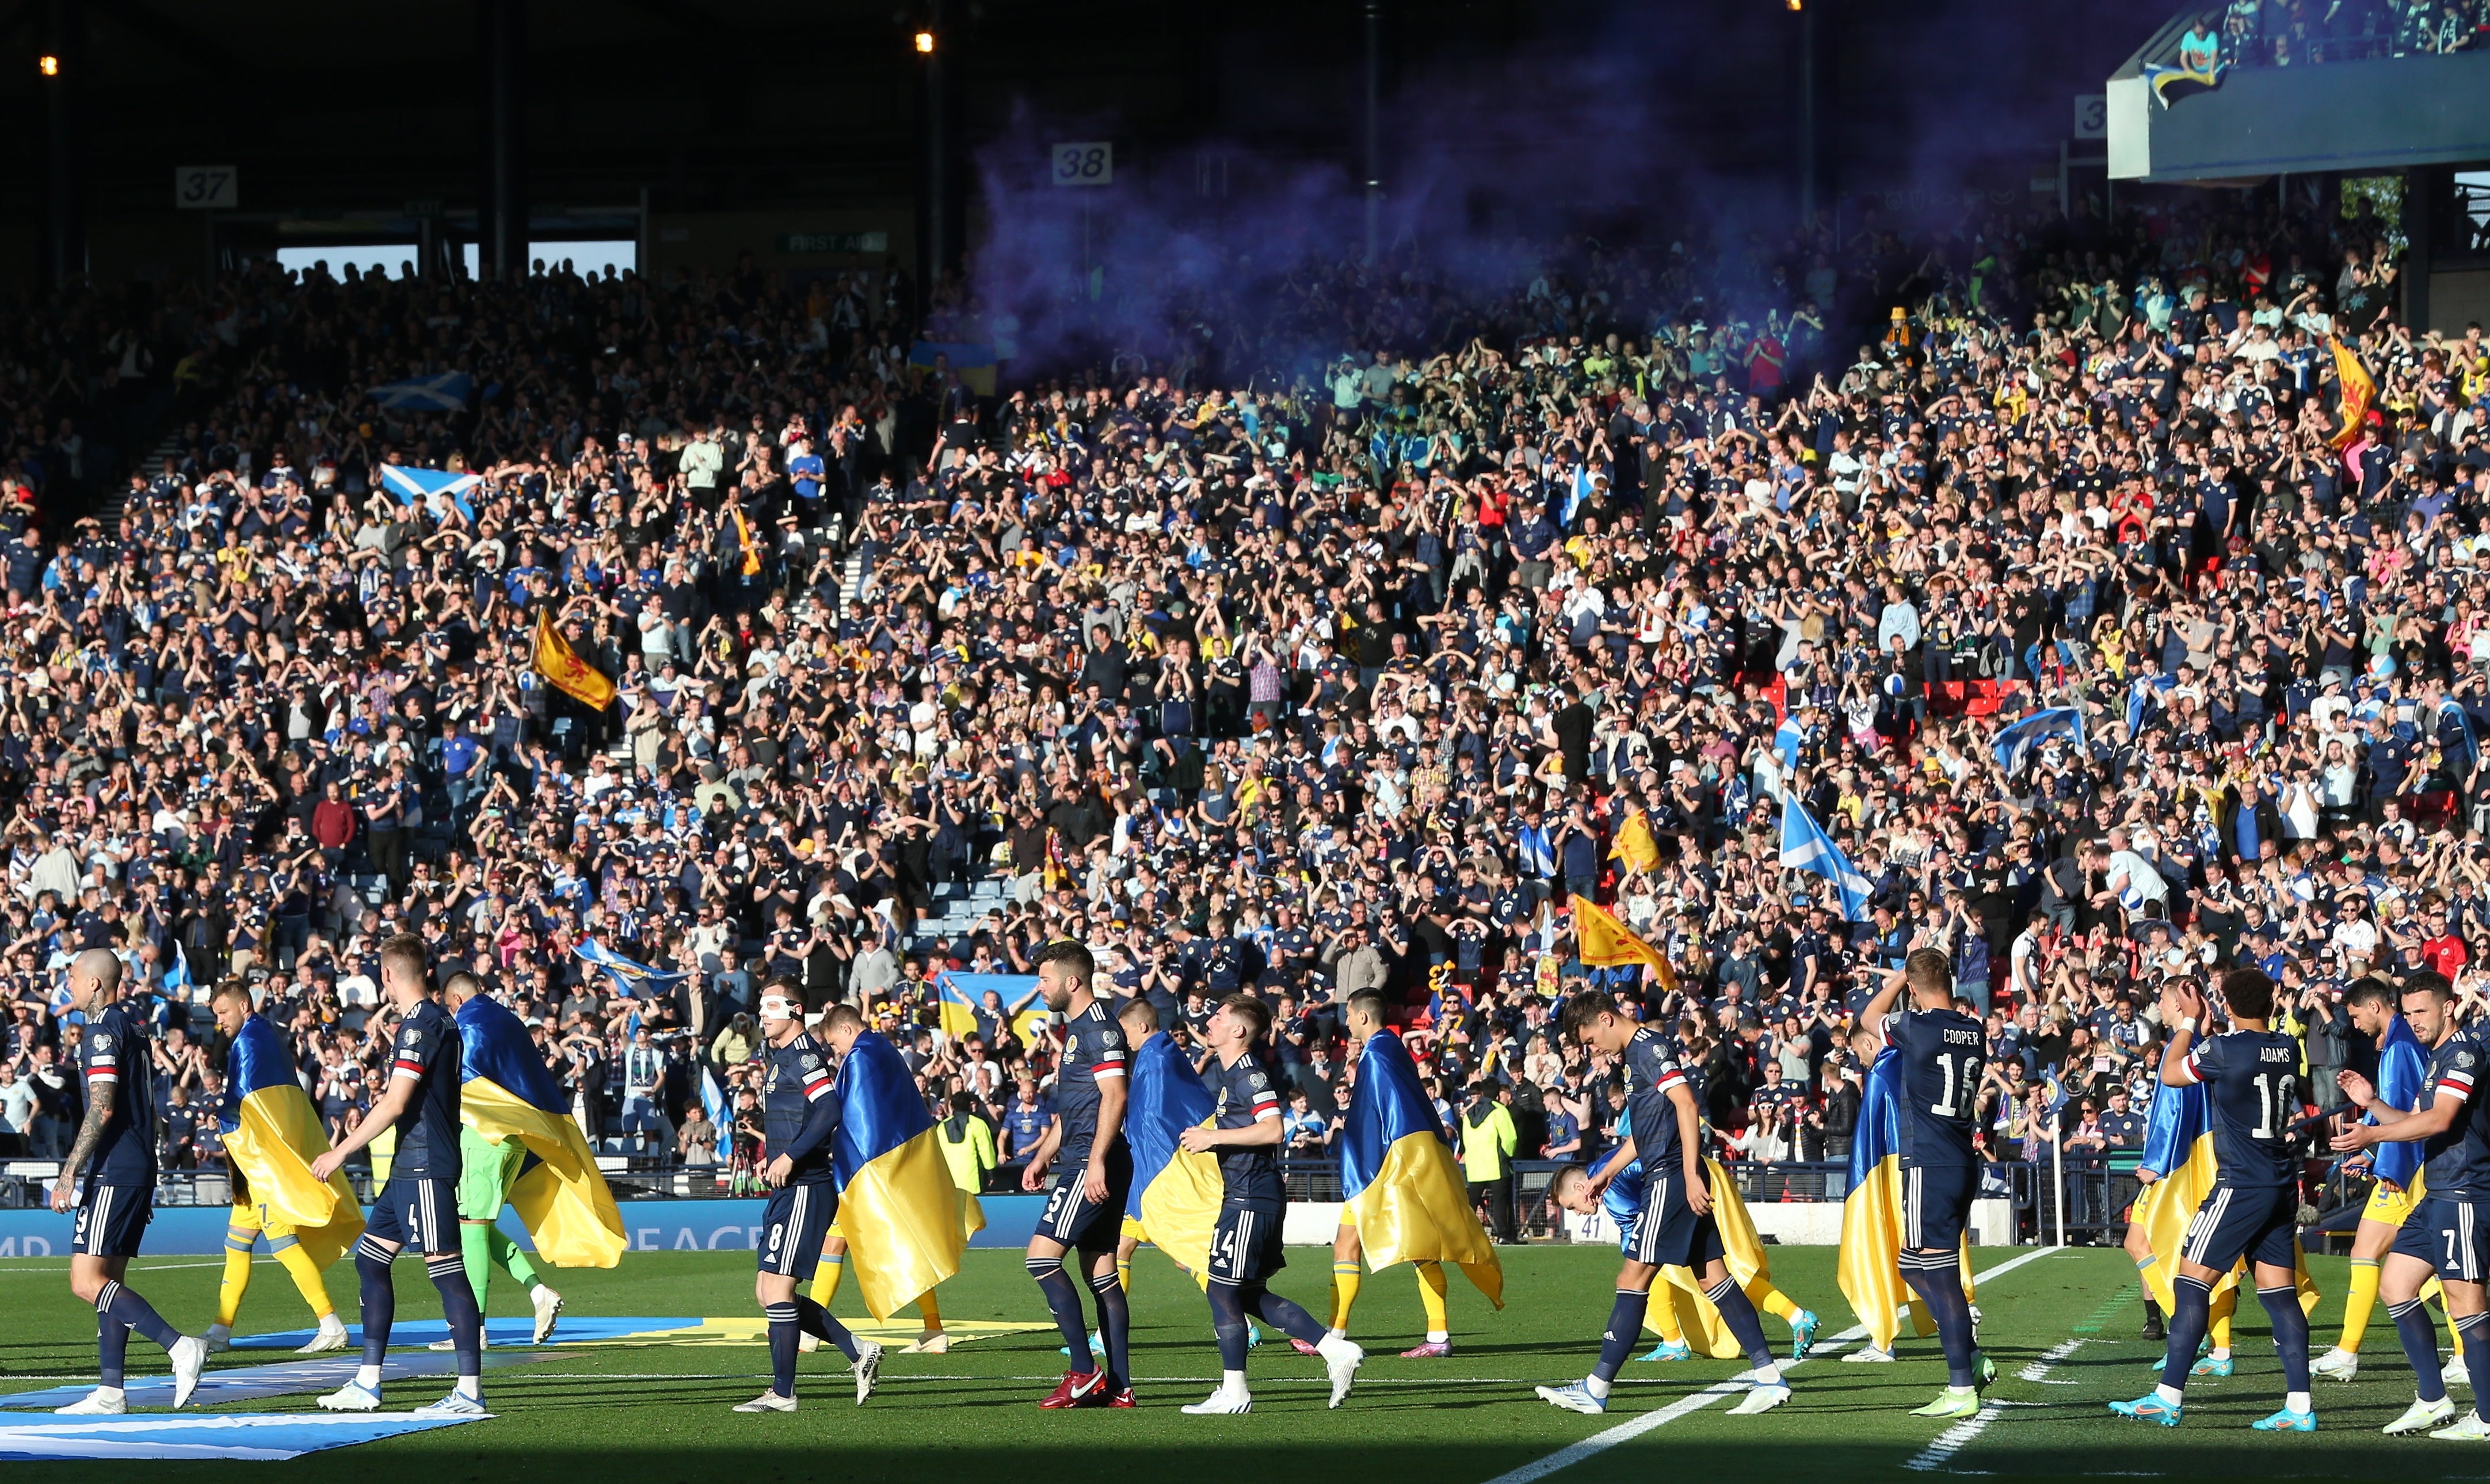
2038	1370
1600	1442
1954	1440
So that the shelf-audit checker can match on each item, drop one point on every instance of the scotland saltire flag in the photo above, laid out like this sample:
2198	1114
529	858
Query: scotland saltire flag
446	393
1788	738
2015	744
417	486
2143	700
1806	847
635	978
177	975
712	1097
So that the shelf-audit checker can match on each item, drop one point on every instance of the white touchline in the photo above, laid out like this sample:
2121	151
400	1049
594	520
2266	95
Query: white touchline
1600	1442
1940	1452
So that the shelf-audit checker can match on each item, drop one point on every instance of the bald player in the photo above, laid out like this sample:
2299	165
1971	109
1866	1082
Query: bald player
116	1146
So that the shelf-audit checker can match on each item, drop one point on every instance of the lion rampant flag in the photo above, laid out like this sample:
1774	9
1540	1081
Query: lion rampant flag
2357	390
560	665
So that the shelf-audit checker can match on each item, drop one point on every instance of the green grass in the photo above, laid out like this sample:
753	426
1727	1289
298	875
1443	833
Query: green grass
657	1414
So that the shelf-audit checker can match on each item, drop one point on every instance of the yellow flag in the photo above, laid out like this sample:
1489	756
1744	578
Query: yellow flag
1635	845
2358	390
744	538
1608	943
558	662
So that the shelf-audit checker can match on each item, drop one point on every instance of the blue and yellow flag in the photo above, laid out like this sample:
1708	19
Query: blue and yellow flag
272	1134
506	1092
1402	1185
1175	1194
1869	1266
2403	1070
961	994
904	1220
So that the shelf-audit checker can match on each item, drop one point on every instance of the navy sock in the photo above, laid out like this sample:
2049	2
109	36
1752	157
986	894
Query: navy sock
136	1313
1228	1323
2476	1331
814	1320
1287	1316
2291	1333
1936	1277
784	1332
111	1349
2420	1339
380	1298
2191	1312
1115	1323
1063	1301
458	1306
1738	1312
1625	1327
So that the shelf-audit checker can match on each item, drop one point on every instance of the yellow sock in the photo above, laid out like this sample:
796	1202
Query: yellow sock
306	1274
1431	1297
2219	1329
932	1311
2357	1303
237	1278
1345	1279
1124	1274
1775	1303
1970	1289
1659	1316
825	1278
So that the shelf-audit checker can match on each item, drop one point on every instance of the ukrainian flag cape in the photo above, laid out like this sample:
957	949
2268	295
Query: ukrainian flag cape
2179	1143
1175	1194
1404	1188
905	1220
1869	1266
272	1134
2403	1071
506	1092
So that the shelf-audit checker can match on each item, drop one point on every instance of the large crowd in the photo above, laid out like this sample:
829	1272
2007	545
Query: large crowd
1564	585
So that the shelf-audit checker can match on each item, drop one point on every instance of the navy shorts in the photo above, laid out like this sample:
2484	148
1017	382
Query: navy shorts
1245	1247
2258	1222
415	1212
112	1219
1936	1205
798	1222
2443	1231
1667	1232
1075	1220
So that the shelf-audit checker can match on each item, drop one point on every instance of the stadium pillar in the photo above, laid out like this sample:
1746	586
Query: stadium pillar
61	69
1373	129
938	202
2422	184
1807	165
501	215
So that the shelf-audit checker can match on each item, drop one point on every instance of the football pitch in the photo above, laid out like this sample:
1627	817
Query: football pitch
2061	1326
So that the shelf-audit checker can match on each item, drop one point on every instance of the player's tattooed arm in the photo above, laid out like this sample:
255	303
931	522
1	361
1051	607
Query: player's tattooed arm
90	1135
